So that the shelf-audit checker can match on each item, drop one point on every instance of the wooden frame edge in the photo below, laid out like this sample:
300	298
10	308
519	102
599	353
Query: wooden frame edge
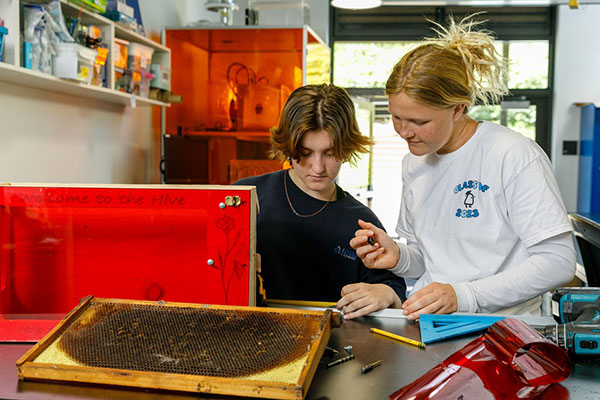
34	351
28	369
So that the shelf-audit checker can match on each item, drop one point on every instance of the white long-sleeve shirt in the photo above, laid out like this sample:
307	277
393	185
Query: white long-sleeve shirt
488	219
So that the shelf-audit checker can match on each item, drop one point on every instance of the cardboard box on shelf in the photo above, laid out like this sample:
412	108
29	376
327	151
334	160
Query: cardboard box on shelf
139	56
162	77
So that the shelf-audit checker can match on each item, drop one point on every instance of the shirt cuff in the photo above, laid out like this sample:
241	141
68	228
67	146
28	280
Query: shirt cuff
465	297
402	265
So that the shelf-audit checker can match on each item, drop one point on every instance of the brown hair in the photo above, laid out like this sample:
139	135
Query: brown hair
318	107
461	65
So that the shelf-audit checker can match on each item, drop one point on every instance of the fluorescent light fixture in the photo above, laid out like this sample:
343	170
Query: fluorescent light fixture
356	4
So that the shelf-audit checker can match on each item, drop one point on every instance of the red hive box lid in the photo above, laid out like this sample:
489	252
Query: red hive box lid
61	243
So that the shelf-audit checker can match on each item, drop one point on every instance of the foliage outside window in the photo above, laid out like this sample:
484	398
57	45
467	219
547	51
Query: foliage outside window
366	64
528	63
520	120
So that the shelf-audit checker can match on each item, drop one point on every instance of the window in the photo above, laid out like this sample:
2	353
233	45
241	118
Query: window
521	120
528	63
366	64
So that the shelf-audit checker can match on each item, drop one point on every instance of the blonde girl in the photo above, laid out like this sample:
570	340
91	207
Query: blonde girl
485	226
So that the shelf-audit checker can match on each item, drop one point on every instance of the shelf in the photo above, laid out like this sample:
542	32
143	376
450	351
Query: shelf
12	72
89	17
25	77
124	33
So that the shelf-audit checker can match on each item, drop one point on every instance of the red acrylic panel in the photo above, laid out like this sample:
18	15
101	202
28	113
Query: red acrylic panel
25	329
509	361
59	244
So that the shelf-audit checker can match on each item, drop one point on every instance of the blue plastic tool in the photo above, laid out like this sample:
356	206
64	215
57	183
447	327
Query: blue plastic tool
435	327
3	32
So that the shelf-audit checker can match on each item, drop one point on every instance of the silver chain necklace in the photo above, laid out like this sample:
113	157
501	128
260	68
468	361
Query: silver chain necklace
287	196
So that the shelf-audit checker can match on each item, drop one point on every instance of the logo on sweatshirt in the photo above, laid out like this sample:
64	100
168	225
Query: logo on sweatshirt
468	192
350	254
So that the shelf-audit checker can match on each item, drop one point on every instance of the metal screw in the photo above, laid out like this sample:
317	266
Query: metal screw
233	201
340	360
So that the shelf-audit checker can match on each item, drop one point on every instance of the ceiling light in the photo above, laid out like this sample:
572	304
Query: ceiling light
356	4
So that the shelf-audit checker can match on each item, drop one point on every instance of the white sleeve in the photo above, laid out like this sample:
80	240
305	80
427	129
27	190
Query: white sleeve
551	263
411	263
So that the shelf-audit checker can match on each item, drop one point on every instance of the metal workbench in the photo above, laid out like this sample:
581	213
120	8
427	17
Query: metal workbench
401	364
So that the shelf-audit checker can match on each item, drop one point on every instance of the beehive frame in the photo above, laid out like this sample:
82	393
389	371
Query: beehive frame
29	368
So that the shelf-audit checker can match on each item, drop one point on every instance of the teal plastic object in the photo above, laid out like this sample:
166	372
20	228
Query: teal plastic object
3	31
436	327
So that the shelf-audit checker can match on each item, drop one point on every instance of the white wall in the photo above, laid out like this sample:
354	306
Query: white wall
157	14
319	18
577	79
51	137
184	12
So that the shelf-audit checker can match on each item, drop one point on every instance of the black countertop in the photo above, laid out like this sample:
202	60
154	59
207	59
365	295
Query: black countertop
401	364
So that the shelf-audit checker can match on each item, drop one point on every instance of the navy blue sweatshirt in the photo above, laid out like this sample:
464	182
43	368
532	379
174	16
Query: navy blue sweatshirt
310	258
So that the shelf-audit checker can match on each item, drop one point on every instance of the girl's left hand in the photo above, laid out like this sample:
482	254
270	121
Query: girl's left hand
435	298
362	298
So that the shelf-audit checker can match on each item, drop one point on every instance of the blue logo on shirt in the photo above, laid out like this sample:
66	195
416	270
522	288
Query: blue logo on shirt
351	254
469	197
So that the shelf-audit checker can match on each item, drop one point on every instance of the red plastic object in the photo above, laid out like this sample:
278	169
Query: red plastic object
59	244
509	361
25	330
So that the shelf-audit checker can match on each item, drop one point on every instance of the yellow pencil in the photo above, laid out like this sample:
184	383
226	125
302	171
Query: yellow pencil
398	337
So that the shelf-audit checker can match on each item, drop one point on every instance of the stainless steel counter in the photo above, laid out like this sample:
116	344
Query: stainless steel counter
401	364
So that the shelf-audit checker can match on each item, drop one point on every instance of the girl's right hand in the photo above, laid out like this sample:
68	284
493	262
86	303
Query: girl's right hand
384	253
